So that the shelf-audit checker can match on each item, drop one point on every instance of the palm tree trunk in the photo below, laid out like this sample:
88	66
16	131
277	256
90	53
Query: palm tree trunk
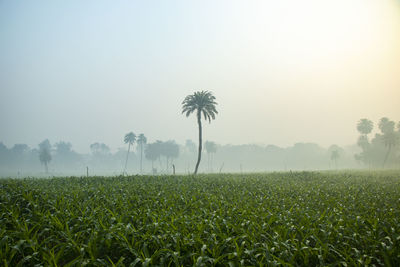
386	156
200	142
127	155
45	167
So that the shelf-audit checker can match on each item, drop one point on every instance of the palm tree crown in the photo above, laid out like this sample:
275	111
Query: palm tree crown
386	125
203	102
130	138
141	139
365	126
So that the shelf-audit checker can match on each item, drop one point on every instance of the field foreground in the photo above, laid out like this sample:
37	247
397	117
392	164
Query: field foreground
300	218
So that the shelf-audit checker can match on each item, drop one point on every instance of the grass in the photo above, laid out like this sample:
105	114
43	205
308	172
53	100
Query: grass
299	218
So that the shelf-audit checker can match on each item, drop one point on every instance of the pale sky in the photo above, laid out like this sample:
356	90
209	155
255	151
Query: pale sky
282	71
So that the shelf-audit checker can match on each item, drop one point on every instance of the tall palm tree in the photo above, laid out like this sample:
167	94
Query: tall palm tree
142	140
129	139
203	103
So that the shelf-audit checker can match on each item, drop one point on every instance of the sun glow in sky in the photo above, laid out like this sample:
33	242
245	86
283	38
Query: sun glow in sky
282	71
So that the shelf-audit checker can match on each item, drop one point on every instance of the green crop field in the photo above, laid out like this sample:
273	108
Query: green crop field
299	218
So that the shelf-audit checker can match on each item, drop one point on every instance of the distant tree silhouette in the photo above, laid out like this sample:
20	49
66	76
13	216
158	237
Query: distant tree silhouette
151	153
159	148
99	149
141	141
203	103
4	155
335	156
211	148
386	125
363	142
65	157
381	150
18	155
390	137
63	148
45	154
3	149
170	150
129	139
365	126
19	148
190	146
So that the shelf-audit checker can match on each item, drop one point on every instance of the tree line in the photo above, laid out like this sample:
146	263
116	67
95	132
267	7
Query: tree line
383	149
139	156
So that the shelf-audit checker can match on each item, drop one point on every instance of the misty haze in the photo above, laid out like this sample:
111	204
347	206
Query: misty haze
200	133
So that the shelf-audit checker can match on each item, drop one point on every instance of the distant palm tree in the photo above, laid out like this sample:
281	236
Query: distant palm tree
142	140
129	139
203	103
365	126
386	125
390	137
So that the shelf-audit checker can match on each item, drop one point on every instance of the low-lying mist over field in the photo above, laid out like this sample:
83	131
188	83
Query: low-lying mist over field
23	161
142	156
